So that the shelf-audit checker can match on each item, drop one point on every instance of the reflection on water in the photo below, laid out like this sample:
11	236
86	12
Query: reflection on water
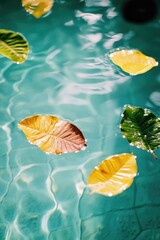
68	75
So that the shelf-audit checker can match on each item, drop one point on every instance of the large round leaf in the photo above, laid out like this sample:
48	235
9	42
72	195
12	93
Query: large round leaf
37	7
113	175
132	61
141	128
13	46
52	135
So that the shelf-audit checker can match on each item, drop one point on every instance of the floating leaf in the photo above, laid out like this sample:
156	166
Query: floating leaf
141	128
13	46
37	7
113	175
52	135
133	61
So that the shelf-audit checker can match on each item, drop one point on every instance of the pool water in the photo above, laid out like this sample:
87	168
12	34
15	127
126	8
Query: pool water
68	74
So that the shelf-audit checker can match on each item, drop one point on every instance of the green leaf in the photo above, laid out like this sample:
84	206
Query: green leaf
13	46
141	128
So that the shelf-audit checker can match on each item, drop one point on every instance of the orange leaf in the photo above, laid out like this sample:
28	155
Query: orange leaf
52	135
37	7
132	61
113	175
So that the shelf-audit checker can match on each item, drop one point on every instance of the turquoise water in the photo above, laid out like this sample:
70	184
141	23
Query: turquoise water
67	74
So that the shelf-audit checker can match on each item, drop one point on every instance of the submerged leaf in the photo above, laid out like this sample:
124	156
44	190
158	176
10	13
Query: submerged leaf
141	128
133	61
113	175
37	7
52	135
13	46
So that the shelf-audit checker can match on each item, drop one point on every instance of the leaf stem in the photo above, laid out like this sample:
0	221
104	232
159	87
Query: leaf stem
154	155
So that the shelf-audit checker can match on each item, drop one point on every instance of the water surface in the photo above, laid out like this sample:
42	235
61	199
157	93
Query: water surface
68	74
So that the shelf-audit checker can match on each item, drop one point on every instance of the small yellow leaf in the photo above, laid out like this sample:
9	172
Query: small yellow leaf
52	135
133	61
113	175
37	7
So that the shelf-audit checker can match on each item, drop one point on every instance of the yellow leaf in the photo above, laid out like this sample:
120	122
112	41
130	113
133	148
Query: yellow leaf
13	45
37	7
52	135
133	61
113	175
